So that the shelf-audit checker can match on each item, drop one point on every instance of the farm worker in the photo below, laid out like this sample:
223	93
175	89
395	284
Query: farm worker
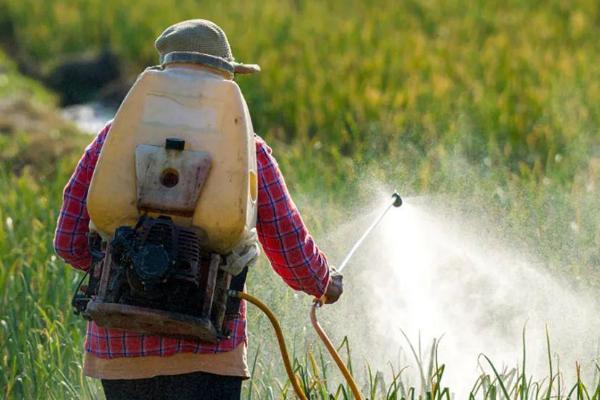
139	366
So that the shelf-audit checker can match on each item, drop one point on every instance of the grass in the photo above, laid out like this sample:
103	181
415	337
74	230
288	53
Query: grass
493	103
492	382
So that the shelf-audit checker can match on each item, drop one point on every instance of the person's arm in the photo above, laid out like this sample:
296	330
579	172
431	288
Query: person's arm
72	227
285	239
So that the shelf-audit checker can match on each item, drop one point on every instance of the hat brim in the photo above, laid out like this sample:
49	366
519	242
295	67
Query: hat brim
209	60
245	68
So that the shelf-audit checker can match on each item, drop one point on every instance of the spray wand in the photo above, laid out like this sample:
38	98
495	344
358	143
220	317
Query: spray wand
396	202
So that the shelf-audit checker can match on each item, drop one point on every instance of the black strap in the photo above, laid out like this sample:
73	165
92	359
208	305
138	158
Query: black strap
233	304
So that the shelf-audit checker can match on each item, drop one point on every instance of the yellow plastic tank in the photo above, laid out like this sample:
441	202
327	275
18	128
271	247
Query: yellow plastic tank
206	113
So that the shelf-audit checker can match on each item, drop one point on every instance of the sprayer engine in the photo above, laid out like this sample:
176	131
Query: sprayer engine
160	266
157	278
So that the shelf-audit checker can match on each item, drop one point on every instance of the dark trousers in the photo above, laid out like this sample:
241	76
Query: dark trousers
197	386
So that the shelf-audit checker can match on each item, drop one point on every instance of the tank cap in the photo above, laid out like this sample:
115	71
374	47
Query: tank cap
174	144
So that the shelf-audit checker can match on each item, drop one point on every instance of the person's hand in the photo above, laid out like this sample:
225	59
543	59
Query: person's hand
335	287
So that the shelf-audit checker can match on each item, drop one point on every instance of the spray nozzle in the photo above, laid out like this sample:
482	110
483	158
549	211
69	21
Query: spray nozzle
397	199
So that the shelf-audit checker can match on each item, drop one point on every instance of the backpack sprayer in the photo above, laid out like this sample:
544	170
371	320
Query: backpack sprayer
396	202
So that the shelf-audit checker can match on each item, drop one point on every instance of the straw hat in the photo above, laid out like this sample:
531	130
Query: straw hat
199	41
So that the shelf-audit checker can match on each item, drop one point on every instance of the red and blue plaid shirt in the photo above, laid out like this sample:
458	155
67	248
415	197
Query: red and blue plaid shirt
284	238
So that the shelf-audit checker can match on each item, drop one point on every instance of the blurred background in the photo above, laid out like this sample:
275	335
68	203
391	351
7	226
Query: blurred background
492	105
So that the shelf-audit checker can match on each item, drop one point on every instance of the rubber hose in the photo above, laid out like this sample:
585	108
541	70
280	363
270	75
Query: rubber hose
331	348
279	333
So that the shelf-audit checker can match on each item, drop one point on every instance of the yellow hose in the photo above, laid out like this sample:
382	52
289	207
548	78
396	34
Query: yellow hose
280	339
331	348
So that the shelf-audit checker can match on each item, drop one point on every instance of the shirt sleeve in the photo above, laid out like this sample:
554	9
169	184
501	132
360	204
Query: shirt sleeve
285	239
72	227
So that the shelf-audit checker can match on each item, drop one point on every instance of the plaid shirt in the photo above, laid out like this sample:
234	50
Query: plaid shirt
285	240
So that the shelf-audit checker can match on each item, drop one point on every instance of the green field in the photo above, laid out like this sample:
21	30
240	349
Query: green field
494	105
